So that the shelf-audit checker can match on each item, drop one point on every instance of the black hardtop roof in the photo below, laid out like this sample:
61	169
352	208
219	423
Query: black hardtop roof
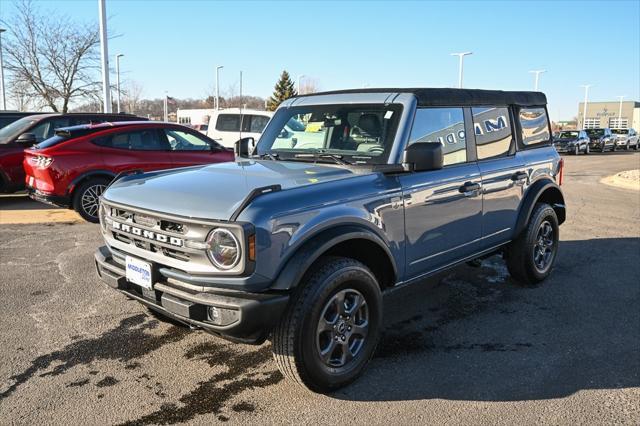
456	97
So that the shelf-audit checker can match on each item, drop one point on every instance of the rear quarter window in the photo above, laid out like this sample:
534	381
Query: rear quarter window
534	125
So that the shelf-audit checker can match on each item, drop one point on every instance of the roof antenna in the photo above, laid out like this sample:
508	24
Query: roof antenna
241	118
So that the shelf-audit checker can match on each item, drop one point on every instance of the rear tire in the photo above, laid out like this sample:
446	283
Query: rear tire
586	149
576	150
331	328
531	256
85	198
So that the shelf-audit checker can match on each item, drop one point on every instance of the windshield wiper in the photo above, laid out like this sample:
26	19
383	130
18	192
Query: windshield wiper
319	155
270	156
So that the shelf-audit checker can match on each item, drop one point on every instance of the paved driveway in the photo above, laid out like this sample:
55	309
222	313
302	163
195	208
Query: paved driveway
466	347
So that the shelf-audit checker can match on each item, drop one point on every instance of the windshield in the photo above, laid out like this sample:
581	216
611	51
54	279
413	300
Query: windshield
568	135
360	134
595	132
620	131
16	128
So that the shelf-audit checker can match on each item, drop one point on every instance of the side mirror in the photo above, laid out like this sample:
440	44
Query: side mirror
27	139
423	156
244	147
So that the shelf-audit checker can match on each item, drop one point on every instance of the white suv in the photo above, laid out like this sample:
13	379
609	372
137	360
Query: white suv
226	126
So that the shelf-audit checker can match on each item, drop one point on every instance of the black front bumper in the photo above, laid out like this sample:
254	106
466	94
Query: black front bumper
54	200
254	314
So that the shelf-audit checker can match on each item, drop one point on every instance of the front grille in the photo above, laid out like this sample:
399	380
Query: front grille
179	243
154	234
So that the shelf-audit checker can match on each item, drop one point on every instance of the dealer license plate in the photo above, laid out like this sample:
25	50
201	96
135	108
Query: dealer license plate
139	272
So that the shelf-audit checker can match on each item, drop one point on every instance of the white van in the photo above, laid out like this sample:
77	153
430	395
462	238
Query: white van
225	125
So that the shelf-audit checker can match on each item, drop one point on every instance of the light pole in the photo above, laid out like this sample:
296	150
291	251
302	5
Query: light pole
4	98
218	68
300	77
166	106
104	50
619	126
584	109
118	56
537	73
461	56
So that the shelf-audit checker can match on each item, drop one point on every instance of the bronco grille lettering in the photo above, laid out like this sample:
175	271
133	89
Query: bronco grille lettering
123	227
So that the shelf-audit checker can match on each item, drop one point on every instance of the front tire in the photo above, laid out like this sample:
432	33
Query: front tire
576	150
331	327
86	197
531	256
586	149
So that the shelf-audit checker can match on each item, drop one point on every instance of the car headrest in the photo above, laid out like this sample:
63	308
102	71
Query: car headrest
370	124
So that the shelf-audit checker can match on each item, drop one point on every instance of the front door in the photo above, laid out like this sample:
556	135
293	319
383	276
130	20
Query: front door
443	208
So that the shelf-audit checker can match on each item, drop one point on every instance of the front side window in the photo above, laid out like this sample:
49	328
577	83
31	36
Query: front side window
183	141
358	134
15	129
444	125
42	130
535	126
228	123
492	130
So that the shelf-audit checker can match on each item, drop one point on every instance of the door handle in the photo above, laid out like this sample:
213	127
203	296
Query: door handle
470	189
519	177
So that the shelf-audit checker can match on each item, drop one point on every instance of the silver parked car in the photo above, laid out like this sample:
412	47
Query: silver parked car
626	138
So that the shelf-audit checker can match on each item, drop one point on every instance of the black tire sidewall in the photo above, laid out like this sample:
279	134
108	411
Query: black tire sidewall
77	198
354	276
542	213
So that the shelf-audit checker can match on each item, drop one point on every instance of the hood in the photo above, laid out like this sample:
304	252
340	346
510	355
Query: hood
215	191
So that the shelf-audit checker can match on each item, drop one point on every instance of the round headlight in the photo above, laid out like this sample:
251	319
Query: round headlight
224	249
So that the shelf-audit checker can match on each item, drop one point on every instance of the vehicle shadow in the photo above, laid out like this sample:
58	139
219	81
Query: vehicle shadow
21	201
472	334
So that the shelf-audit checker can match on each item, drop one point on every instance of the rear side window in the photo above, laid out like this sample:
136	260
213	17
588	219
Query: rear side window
493	131
254	123
535	126
444	125
228	123
141	140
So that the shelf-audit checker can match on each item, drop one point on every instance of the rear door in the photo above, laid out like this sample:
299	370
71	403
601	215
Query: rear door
503	172
191	148
443	208
141	149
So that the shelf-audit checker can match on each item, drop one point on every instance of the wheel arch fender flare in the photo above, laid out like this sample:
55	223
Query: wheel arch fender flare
316	245
87	175
544	190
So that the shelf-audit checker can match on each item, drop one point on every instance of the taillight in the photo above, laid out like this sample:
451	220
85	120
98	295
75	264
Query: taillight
560	171
40	161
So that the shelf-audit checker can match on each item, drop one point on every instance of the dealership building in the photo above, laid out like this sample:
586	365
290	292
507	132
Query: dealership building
610	114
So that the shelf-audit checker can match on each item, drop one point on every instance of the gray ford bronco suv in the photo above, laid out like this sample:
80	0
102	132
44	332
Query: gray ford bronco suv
346	195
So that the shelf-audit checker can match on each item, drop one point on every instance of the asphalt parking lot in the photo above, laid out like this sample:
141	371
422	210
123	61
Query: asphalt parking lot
465	347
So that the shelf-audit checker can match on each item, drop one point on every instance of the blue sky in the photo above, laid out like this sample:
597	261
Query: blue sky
175	45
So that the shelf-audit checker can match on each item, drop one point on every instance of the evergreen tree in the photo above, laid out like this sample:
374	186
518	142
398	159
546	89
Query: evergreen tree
283	90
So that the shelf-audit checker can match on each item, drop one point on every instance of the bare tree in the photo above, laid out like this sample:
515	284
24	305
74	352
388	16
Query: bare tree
22	98
132	96
51	56
309	85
